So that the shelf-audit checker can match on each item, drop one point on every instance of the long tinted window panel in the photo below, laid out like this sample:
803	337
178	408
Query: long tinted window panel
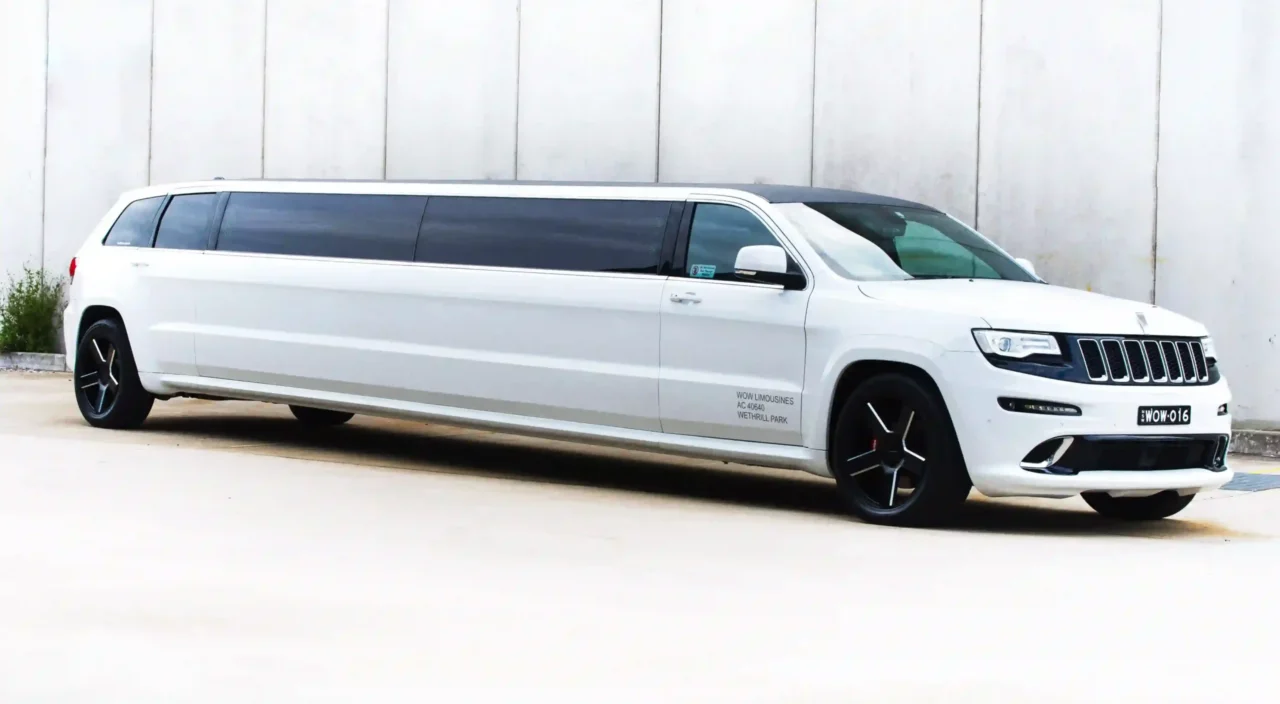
322	225
185	223
133	227
537	233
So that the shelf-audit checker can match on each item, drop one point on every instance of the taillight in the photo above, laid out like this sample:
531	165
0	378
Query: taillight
73	268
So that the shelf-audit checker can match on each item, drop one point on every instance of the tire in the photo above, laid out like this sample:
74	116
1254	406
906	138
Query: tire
1138	508
894	433
106	379
319	417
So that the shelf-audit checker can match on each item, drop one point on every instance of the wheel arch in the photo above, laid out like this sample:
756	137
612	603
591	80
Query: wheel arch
855	373
93	314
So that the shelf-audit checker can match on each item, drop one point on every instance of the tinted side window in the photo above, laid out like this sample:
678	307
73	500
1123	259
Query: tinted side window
185	223
538	233
322	225
133	227
715	236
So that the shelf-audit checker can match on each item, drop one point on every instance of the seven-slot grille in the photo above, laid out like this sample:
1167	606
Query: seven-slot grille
1142	361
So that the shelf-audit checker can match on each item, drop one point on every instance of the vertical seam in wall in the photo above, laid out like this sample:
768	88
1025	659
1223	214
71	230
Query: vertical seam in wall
151	95
262	146
1155	176
657	131
44	155
515	150
386	91
813	98
977	150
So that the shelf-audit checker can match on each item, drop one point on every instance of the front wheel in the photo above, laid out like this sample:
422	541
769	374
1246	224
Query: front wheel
895	456
1138	508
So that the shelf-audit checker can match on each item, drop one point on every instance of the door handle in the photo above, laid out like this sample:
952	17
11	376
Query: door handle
689	297
139	265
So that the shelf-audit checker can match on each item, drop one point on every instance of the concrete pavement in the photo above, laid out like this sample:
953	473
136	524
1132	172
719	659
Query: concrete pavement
225	553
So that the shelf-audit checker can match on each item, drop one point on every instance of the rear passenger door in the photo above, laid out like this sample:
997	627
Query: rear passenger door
733	351
542	307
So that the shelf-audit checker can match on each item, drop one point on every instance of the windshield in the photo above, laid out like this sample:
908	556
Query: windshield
868	242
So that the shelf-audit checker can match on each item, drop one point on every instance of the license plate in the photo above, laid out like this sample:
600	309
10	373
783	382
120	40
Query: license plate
1164	415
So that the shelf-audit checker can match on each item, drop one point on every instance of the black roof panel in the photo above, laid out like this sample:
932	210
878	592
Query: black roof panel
774	193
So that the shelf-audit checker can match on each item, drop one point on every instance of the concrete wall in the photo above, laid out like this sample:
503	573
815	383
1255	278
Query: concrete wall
23	32
1068	138
896	99
452	89
1127	146
206	106
98	113
737	91
602	123
1219	186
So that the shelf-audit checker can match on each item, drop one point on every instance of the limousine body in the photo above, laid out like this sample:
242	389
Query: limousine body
870	339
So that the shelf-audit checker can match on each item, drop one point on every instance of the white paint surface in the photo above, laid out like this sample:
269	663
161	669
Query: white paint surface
452	89
896	103
737	91
589	89
206	109
22	101
1220	187
1068	147
326	88
99	105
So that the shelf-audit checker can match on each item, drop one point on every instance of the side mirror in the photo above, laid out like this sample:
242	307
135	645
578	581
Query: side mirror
1026	264
766	264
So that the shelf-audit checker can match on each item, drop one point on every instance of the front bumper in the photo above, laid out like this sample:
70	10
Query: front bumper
995	441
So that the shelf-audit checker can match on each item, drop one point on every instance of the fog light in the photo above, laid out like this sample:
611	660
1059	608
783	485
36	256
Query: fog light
1222	410
1047	408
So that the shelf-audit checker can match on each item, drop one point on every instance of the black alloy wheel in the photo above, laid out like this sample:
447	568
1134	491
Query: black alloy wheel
107	387
888	470
895	456
101	384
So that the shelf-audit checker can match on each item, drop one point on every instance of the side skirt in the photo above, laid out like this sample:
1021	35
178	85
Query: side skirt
752	453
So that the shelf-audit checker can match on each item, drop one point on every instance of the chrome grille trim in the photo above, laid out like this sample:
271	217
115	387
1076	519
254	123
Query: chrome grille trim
1115	374
1097	349
1202	363
1151	350
1164	361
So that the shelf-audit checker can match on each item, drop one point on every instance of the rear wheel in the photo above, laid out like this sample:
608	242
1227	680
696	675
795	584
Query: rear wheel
895	456
320	417
1138	508
107	387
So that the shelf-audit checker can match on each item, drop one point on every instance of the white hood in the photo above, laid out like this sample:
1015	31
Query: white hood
1015	305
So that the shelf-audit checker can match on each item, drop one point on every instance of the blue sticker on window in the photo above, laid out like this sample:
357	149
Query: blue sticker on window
703	271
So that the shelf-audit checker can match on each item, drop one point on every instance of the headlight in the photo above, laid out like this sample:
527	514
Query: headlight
1209	351
1016	344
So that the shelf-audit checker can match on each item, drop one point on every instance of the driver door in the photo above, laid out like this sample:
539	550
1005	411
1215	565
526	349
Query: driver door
732	352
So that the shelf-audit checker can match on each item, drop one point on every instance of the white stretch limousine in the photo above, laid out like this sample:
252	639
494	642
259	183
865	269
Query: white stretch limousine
870	339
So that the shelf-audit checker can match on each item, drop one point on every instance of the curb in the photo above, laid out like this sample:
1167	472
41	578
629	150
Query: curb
34	362
1263	443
